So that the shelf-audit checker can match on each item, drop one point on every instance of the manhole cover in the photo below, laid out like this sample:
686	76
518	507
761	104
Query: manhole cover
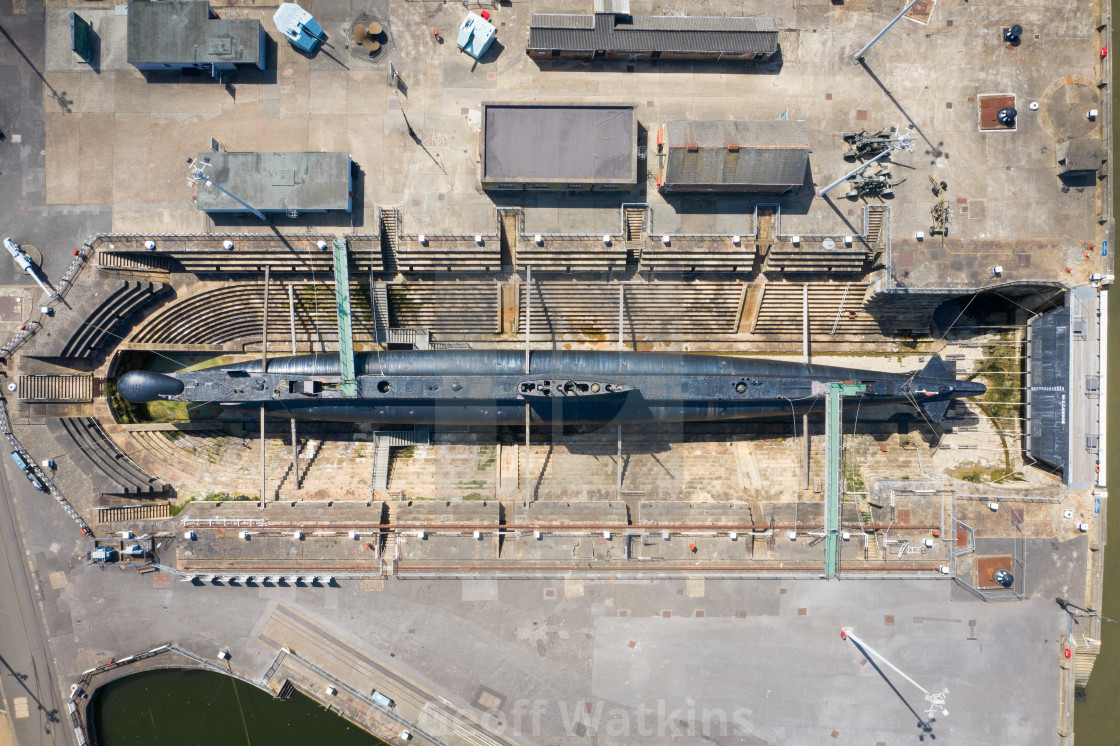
11	308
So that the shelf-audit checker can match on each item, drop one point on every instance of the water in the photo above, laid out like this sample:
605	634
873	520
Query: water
178	707
1096	715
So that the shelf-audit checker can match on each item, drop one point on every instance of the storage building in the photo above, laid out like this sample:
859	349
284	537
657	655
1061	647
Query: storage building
612	32
768	157
180	34
275	182
559	146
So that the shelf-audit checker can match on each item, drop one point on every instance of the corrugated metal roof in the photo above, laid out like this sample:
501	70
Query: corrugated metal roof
562	21
769	153
618	7
712	35
182	31
571	142
718	133
702	23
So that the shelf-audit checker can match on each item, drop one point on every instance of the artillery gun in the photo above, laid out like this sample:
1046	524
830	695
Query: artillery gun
939	213
878	184
863	144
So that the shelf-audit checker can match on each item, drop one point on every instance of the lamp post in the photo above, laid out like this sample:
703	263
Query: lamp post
198	173
860	54
936	699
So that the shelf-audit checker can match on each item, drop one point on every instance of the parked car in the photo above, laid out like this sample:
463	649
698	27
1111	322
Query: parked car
34	481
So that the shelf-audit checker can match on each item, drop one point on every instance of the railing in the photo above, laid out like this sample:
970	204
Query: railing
62	287
39	472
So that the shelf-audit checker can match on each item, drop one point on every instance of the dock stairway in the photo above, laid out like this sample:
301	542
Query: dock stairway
56	388
379	296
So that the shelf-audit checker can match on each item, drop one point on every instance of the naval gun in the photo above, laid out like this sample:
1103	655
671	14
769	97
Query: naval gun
878	184
863	144
567	387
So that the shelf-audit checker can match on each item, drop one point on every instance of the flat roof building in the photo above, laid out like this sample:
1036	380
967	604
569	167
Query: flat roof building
559	146
275	182
1079	156
178	34
612	32
733	156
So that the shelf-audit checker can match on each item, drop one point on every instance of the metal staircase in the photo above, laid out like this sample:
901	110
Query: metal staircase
379	470
379	294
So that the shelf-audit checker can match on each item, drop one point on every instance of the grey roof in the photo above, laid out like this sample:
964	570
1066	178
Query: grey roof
700	34
182	31
1081	154
769	153
559	142
276	181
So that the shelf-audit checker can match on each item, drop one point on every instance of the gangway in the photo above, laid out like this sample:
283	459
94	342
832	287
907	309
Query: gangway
349	383
833	446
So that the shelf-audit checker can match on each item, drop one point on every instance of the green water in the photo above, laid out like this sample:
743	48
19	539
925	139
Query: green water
1097	714
201	708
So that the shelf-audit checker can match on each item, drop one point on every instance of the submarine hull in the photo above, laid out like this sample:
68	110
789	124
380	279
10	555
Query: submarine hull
493	387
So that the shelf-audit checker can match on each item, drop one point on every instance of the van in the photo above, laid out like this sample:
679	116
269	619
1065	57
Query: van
34	481
381	699
19	461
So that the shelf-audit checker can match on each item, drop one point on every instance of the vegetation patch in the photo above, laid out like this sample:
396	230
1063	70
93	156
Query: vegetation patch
486	456
977	473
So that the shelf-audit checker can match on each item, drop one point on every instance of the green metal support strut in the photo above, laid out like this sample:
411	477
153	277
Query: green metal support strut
833	448
349	384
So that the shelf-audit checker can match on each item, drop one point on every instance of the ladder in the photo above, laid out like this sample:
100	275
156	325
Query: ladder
840	309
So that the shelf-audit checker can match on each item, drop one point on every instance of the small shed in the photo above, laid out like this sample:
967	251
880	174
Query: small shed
1079	157
298	26
475	35
768	157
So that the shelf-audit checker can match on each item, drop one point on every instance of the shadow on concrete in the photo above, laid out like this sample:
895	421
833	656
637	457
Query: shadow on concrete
925	727
51	715
934	151
60	97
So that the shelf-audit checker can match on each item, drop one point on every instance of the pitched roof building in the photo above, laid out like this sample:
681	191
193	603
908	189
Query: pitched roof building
733	156
610	33
570	146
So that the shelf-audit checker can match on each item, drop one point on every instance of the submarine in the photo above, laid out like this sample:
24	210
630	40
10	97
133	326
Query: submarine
565	387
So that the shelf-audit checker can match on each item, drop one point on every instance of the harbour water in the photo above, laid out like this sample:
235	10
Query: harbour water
176	707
